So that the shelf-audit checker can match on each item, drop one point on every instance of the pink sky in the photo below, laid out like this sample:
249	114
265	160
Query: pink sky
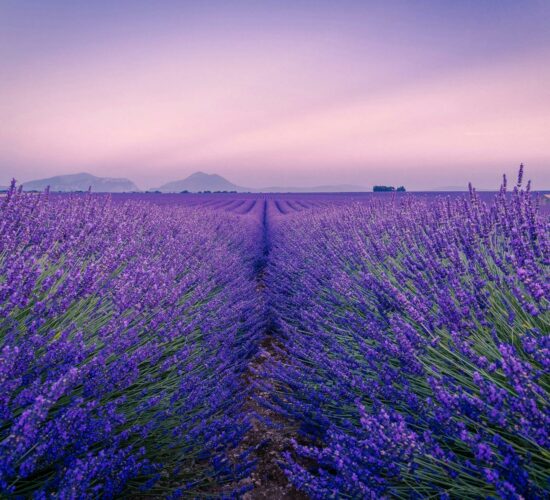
426	94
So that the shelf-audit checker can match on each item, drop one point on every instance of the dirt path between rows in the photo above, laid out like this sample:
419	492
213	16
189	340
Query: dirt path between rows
270	436
271	433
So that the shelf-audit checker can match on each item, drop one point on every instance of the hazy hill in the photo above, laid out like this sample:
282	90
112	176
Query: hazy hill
199	181
81	182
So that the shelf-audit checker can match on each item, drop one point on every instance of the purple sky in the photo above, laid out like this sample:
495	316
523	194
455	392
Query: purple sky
422	93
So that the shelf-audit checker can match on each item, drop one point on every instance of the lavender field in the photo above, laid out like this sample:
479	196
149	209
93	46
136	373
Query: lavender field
186	345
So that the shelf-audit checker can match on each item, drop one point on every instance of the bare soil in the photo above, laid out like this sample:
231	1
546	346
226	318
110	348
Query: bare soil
268	440
271	434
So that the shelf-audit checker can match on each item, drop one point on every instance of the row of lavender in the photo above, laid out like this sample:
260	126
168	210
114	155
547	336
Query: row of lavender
124	332
416	347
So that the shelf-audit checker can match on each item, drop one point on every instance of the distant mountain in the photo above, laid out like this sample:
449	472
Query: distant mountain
199	181
82	182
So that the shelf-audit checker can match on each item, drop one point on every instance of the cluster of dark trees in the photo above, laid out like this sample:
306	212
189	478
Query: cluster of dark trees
385	189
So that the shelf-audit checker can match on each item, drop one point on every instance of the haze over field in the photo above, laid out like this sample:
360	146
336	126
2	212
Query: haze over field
428	94
194	183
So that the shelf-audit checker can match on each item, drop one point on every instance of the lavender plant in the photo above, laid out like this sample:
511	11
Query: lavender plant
413	336
416	336
124	331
